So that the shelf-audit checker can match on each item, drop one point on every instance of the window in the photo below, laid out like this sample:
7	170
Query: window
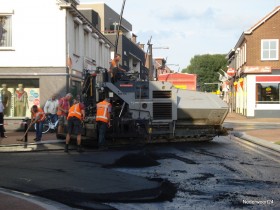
269	49
86	44
76	38
18	96
5	31
100	52
267	93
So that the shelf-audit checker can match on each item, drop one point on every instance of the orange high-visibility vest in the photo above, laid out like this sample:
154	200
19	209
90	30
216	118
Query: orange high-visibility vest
102	113
40	113
75	111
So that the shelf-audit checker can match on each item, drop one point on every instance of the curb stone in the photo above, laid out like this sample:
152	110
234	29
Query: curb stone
257	141
25	199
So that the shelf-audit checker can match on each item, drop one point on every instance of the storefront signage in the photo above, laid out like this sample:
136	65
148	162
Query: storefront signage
257	69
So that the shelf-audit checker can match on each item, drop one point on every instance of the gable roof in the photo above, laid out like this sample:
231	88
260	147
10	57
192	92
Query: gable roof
263	20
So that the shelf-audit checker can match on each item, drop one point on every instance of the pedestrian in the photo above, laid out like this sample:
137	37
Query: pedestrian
103	117
6	97
115	68
50	108
75	117
38	117
62	111
2	130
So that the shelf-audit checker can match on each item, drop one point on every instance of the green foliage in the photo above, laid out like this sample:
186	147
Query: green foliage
206	68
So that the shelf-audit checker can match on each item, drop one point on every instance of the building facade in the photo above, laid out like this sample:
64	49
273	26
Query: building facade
133	55
44	48
255	62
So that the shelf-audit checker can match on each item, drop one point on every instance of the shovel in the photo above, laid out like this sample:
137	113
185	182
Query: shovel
25	132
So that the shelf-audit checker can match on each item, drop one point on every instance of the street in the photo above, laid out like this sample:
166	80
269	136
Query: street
216	175
225	173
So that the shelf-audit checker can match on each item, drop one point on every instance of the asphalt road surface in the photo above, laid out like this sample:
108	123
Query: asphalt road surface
225	173
222	174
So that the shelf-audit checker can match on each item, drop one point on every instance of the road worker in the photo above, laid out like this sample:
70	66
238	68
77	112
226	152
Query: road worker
75	117
38	117
115	68
62	111
103	117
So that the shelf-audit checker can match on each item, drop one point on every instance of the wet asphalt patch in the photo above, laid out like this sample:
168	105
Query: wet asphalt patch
192	192
168	190
204	176
89	201
161	156
134	160
165	192
229	168
207	153
260	183
73	199
145	159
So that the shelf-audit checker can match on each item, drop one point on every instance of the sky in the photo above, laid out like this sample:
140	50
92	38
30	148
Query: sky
189	27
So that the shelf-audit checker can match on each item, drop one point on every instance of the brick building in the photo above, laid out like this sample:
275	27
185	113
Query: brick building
255	83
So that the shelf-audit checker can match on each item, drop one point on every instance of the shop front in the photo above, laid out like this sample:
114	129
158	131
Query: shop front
257	92
20	91
18	96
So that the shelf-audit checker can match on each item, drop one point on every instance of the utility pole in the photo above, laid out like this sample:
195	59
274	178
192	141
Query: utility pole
118	28
149	55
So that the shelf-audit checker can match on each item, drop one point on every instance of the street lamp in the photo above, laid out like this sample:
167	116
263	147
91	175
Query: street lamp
165	48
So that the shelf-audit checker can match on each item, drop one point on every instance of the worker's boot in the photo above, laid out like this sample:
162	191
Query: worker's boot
79	148
66	148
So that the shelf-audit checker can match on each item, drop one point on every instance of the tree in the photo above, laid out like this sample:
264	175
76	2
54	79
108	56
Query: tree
206	68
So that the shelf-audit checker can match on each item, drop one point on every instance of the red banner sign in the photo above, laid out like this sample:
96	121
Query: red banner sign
231	72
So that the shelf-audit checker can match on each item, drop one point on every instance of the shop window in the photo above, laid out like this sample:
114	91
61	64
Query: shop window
18	96
269	49
267	93
5	31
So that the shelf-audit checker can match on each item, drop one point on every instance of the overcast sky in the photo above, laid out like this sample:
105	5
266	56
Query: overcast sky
191	27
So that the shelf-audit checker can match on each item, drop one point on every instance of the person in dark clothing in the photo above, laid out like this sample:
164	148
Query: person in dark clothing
103	117
2	134
76	115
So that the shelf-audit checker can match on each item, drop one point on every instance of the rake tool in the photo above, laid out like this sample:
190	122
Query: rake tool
25	132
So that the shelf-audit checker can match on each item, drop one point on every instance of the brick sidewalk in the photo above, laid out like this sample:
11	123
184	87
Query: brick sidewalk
271	135
14	202
14	136
238	117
